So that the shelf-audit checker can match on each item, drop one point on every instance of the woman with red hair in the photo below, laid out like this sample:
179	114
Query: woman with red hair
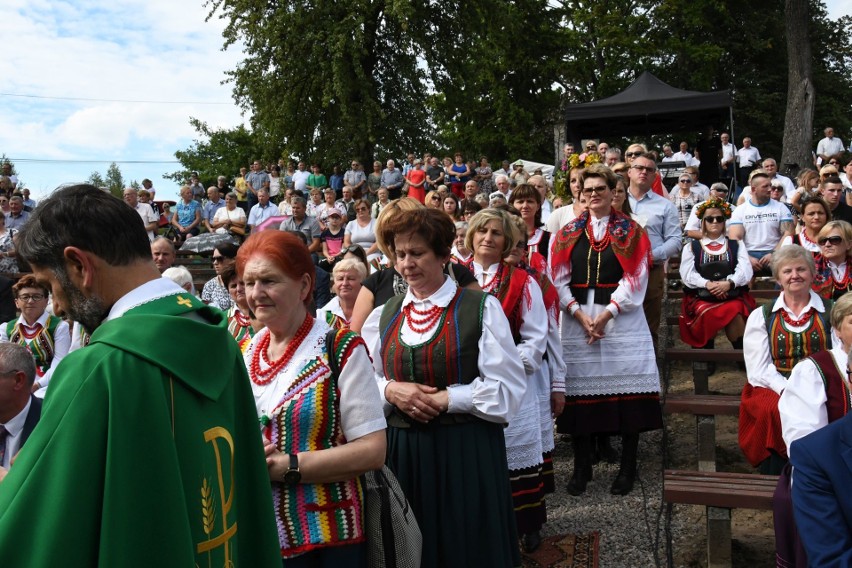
322	428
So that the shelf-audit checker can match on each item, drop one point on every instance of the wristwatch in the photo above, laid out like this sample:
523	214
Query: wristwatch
292	476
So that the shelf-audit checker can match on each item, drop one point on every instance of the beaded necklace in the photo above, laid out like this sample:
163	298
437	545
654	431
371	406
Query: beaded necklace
798	322
496	280
264	376
597	246
421	321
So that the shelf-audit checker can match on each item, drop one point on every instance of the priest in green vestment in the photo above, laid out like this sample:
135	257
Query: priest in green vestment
148	452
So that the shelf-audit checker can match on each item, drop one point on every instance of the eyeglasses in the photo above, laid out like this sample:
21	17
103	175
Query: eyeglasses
649	169
834	163
435	198
776	188
715	218
362	209
834	240
219	258
722	191
597	189
31	297
632	154
684	181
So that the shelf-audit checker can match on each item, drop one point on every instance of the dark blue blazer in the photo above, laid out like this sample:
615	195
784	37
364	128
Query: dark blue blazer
822	493
33	417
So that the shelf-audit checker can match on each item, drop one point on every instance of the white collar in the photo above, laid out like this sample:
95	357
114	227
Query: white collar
442	297
720	239
479	269
151	290
814	302
42	319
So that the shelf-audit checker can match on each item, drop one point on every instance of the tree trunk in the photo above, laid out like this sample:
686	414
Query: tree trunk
798	122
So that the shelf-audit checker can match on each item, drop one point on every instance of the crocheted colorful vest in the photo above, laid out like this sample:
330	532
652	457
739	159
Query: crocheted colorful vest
314	515
837	394
334	321
450	357
41	346
591	269
788	347
239	326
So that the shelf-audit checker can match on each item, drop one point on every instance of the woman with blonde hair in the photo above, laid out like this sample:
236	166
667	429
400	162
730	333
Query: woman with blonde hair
833	263
346	276
433	200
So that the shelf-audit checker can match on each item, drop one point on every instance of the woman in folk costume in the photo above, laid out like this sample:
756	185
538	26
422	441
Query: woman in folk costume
600	265
491	236
347	276
550	378
715	272
777	336
833	264
318	407
241	321
817	393
452	378
46	336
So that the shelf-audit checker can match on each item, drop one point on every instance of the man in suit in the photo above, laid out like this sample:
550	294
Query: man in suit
19	410
822	503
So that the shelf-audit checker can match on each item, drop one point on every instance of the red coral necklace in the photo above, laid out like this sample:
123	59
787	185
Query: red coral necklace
264	376
798	322
600	245
421	321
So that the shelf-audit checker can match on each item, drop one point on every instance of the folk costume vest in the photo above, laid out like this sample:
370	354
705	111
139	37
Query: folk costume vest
824	282
239	326
837	393
592	269
788	347
450	357
41	344
313	515
715	267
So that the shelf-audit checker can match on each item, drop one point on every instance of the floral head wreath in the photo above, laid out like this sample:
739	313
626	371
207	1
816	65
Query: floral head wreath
584	160
714	203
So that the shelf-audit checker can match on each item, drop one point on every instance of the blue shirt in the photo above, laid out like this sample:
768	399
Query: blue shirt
336	182
186	212
392	179
662	226
210	209
259	214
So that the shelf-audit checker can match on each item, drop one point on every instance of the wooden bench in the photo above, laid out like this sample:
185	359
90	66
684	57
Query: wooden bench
699	359
705	407
719	493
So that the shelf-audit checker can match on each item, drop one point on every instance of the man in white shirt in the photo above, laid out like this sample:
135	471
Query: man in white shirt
149	218
747	158
729	156
683	155
300	178
828	146
19	409
760	223
668	155
770	166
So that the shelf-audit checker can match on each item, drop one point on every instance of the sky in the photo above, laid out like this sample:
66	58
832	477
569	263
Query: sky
139	69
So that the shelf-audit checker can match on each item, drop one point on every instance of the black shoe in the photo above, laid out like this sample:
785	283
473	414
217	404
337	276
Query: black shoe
577	484
531	541
623	484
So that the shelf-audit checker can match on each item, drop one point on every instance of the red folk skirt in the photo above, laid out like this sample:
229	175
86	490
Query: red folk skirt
701	320
760	424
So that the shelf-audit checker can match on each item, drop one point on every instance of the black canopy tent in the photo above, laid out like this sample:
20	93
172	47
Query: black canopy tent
648	106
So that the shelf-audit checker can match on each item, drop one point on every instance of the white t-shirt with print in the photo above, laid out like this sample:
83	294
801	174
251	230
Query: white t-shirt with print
762	223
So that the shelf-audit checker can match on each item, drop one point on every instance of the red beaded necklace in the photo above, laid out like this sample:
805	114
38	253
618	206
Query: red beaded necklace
799	322
264	376
421	321
844	284
242	319
496	280
600	245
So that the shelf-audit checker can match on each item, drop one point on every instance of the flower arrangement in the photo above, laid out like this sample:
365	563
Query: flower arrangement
560	177
714	203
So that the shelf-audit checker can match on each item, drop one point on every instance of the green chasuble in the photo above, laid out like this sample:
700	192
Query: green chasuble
148	453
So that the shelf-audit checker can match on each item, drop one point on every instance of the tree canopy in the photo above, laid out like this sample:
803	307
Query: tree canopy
331	80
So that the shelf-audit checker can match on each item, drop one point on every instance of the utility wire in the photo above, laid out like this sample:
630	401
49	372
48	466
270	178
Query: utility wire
113	100
46	161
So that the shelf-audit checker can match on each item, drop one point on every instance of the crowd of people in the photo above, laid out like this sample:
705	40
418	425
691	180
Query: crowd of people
442	318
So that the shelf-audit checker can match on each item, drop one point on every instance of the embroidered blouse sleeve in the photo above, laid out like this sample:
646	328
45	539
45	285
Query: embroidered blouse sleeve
802	404
496	394
370	333
626	298
533	331
360	403
562	281
760	369
688	273
61	346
